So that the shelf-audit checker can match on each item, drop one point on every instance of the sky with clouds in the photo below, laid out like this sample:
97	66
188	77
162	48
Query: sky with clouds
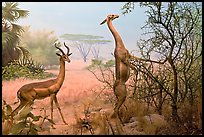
84	18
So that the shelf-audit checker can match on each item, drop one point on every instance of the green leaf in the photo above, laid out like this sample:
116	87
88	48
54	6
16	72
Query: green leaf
17	128
90	39
36	118
9	108
30	115
24	113
110	63
33	131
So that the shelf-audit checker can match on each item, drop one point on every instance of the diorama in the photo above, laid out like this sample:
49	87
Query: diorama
101	68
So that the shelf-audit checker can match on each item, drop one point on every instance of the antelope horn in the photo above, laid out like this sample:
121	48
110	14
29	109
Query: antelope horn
59	49
67	49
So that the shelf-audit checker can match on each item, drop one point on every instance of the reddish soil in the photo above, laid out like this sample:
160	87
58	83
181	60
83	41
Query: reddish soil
78	87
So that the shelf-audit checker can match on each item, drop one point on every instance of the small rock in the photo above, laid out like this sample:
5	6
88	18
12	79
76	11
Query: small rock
132	124
132	119
155	118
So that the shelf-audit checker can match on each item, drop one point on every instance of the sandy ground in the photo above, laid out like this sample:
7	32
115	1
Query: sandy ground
79	86
80	89
77	81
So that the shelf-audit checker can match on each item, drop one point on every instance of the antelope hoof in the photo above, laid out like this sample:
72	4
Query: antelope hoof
53	127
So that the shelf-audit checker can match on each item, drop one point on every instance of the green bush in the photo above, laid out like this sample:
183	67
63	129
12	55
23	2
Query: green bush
22	124
16	70
95	63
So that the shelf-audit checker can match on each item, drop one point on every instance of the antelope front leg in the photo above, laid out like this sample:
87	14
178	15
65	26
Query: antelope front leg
51	110
58	107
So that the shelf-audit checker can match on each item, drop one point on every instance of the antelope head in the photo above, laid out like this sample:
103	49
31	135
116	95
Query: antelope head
110	17
65	57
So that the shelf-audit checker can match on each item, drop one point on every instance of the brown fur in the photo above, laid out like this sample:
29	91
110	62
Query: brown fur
122	68
40	90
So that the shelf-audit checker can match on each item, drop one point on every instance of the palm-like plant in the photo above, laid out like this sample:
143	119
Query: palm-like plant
11	32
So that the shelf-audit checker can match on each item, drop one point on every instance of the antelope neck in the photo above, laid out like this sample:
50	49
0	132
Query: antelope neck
118	40
61	75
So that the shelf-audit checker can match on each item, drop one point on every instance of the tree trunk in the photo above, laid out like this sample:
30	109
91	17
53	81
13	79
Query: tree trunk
199	109
175	93
160	102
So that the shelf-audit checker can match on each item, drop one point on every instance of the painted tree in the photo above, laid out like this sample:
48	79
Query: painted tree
11	32
39	40
85	44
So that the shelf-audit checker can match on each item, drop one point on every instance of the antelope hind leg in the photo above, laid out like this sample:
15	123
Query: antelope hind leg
120	92
58	107
21	105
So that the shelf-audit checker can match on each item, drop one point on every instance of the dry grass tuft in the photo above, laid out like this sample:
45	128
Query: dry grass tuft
132	108
150	127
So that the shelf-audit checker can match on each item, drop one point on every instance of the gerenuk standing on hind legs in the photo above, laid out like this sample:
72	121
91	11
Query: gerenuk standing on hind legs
122	65
122	68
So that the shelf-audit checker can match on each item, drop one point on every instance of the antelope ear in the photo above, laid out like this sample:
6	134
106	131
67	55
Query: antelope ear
58	54
103	22
69	54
